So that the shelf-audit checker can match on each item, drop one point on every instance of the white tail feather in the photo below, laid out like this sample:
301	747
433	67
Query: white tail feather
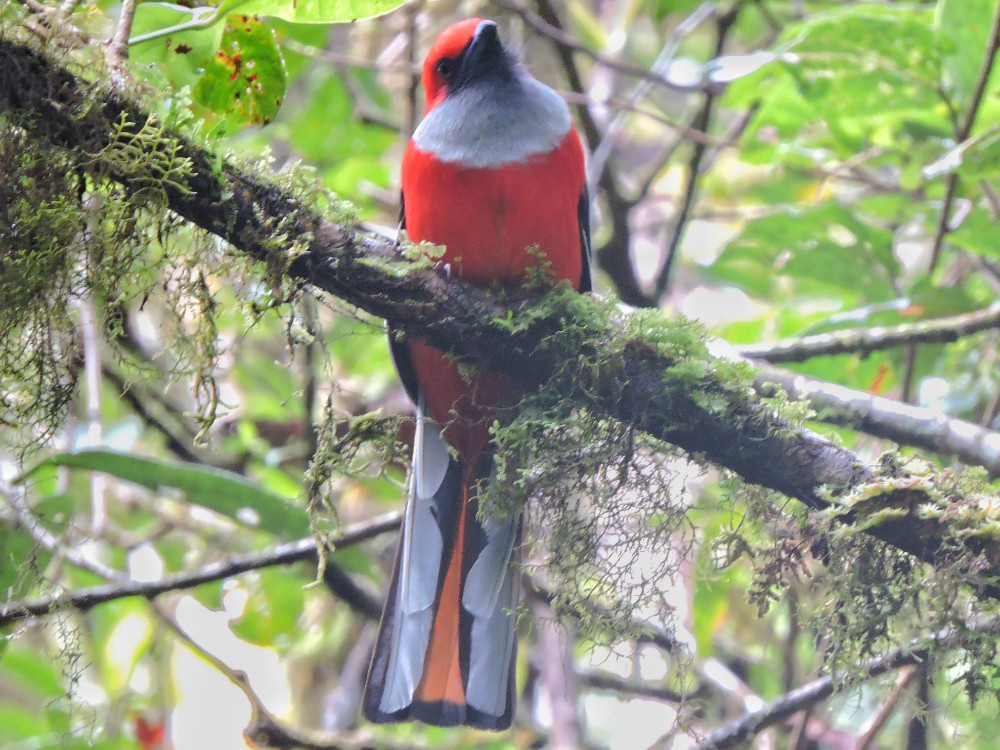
493	636
418	568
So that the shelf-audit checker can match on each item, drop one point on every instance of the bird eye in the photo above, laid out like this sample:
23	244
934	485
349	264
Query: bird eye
445	67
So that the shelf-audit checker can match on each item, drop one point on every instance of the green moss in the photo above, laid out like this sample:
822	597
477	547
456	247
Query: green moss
865	596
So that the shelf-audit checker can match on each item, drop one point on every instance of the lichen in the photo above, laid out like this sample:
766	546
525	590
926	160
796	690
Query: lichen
608	515
860	596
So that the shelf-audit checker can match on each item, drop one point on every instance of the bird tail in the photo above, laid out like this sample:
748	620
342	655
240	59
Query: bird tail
446	644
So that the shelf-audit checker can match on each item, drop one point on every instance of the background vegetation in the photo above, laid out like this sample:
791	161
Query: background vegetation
184	419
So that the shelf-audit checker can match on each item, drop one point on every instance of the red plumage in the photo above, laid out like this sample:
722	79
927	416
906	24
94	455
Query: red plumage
494	171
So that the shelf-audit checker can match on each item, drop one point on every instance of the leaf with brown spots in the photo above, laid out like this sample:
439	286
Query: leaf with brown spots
245	80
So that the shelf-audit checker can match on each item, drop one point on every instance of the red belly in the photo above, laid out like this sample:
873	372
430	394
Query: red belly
490	221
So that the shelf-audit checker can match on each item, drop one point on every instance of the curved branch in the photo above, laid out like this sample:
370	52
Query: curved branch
892	420
864	340
543	26
647	385
282	554
737	733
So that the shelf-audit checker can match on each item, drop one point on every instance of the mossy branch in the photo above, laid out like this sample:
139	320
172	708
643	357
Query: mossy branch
640	369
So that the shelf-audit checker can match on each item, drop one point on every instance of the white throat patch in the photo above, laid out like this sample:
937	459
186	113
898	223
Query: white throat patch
494	124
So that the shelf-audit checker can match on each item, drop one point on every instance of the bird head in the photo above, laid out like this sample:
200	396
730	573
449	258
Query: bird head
465	53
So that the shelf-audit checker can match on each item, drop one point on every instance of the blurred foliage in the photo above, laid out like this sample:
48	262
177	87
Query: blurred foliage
846	178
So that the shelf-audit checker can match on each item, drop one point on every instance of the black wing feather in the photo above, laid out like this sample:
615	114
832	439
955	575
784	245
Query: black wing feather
397	344
583	217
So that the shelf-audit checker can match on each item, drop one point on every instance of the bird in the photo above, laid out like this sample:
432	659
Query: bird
495	173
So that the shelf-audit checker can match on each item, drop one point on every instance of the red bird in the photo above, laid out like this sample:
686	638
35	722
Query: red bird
494	170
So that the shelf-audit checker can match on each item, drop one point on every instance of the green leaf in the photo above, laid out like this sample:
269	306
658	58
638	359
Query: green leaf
820	250
245	78
982	158
222	491
978	234
320	11
32	671
977	157
274	607
19	557
122	634
845	79
964	27
180	56
55	511
18	725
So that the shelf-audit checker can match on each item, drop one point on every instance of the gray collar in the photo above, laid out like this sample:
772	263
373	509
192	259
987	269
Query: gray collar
492	124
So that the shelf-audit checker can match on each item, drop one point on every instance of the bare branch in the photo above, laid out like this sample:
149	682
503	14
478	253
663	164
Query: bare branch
874	725
545	28
613	256
864	340
595	679
739	732
92	406
555	661
723	24
964	130
604	149
27	520
892	420
266	730
117	51
281	554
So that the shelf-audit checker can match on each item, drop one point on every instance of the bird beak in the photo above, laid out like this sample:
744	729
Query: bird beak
485	56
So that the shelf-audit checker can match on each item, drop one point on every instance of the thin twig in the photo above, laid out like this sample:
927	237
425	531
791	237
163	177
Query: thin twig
92	406
614	255
157	414
412	108
878	338
723	23
53	19
875	724
341	60
310	386
614	131
553	643
282	554
739	732
265	730
544	27
951	185
916	730
27	520
117	51
687	132
991	197
595	679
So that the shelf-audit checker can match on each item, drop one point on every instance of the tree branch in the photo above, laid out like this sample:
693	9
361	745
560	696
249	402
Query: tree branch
613	257
647	385
865	340
964	130
117	51
281	554
544	26
739	732
888	419
724	22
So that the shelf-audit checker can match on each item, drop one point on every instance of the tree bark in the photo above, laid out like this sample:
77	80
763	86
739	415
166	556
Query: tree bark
711	419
